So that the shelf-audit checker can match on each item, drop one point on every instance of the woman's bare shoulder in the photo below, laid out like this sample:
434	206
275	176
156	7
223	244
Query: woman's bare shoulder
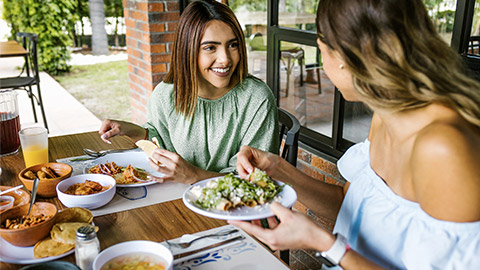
445	171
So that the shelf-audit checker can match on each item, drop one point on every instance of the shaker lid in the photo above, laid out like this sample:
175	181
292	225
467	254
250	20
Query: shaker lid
86	232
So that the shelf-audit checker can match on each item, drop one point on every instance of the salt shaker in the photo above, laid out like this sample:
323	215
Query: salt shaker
87	247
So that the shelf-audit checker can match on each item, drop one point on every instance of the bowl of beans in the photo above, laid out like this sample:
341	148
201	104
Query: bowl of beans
32	228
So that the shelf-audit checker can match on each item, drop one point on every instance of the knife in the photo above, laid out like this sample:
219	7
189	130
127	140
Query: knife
188	253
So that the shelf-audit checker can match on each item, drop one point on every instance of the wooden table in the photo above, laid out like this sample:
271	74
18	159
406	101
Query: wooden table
155	223
11	49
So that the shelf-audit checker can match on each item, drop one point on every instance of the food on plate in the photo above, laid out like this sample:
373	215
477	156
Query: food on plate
148	147
135	260
44	173
122	175
14	223
228	192
49	247
66	232
74	214
86	188
63	233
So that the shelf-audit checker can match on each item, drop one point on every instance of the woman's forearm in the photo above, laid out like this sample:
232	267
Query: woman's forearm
322	198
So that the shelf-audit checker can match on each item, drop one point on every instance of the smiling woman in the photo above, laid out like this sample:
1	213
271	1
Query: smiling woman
207	106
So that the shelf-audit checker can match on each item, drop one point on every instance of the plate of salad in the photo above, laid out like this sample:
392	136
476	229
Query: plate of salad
230	197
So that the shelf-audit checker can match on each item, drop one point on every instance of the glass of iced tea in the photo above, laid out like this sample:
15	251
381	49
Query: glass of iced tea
9	123
34	141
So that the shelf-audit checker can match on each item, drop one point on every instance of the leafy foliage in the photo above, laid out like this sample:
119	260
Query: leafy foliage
51	20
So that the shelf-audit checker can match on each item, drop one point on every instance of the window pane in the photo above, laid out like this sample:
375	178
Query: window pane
356	121
442	13
474	42
310	100
252	16
297	14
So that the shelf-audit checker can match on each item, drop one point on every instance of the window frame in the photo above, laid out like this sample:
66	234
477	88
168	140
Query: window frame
336	145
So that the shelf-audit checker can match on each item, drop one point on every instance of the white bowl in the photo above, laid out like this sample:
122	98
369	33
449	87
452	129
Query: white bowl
134	247
91	201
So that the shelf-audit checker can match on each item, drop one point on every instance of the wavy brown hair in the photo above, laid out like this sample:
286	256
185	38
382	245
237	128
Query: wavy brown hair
397	59
183	73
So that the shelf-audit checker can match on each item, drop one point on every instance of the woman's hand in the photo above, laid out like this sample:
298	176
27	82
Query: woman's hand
249	158
177	169
295	231
111	128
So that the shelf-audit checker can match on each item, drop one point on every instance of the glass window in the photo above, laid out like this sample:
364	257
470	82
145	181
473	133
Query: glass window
297	14
442	13
252	16
474	41
305	91
356	123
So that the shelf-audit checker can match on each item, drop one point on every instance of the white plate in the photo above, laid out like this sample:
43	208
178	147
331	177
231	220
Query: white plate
287	198
136	159
23	255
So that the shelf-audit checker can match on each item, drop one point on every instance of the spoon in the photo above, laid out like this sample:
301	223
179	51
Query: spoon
102	153
32	199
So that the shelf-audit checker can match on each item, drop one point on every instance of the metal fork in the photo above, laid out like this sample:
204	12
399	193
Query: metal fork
188	244
97	154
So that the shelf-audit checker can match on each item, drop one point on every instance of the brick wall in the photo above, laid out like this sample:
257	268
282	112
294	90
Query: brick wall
150	27
325	171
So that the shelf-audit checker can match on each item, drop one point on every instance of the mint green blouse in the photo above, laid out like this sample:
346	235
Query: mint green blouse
246	115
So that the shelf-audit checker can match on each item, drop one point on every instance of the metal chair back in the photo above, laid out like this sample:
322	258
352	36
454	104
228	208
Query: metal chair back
289	131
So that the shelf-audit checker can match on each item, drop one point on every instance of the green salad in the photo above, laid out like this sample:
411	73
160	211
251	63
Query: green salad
230	191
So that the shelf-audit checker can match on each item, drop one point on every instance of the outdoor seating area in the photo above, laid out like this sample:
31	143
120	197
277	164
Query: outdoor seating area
240	135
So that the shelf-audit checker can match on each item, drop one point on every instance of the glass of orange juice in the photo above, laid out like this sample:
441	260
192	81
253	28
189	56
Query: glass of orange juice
34	142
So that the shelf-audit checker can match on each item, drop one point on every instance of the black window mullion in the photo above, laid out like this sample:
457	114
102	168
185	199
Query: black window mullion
462	25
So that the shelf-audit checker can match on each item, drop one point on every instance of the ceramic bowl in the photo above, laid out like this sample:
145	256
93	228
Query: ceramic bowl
46	188
91	201
28	236
21	196
148	247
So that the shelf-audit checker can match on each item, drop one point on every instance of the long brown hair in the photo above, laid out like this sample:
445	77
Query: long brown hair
183	71
397	59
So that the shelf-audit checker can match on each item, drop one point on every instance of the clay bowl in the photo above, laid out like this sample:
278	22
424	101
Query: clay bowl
28	236
21	196
46	188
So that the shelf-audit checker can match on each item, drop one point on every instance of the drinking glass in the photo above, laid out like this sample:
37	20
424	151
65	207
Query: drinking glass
34	141
9	123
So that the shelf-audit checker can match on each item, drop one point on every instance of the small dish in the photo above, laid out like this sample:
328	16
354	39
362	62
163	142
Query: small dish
6	202
46	187
31	235
21	196
90	201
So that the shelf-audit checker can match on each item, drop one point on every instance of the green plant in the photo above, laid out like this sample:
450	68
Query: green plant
50	20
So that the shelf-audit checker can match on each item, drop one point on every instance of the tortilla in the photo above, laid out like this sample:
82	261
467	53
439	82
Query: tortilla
74	214
148	147
49	247
67	232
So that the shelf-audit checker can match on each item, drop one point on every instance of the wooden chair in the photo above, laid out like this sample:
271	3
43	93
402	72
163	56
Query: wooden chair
29	76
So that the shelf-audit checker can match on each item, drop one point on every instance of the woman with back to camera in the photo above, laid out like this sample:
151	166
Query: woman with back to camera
207	105
412	196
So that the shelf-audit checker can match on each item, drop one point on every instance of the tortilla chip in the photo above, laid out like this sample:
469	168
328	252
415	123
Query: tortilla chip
74	214
67	232
48	247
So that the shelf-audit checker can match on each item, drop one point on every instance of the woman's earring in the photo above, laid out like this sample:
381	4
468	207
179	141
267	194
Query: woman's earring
341	66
